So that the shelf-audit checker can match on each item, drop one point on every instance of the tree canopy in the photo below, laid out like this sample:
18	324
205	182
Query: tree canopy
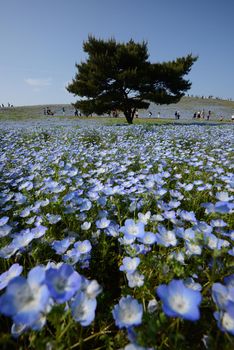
119	76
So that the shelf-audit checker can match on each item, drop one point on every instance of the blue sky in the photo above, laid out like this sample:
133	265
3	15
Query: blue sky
41	40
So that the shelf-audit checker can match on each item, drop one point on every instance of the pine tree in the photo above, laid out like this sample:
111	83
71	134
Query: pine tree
119	76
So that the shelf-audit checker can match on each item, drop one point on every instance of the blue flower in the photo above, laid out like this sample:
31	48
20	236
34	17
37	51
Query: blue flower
135	279
14	271
62	282
166	237
180	301
61	246
4	220
129	264
102	223
26	299
83	247
225	319
133	230
83	308
128	312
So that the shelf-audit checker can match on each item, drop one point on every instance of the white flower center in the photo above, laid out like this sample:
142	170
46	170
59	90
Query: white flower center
179	304
227	322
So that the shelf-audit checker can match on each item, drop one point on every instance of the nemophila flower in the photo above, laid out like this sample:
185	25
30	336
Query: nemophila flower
133	230
193	248
83	247
178	256
127	313
223	197
157	217
231	251
112	230
5	230
224	207
86	205
53	219
31	220
229	280
62	282
26	299
152	306
26	212
220	295
93	196
218	223
83	309
188	187
85	226
225	319
102	223
188	216
149	238
102	201
166	237
190	283
38	231
209	207
129	264
135	279
170	215
61	246
22	239
215	243
14	271
174	204
159	193
179	300
144	217
4	220
91	288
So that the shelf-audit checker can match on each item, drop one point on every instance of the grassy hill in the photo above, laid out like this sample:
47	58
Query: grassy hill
187	106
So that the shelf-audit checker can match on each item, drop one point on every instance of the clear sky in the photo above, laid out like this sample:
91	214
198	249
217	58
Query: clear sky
41	40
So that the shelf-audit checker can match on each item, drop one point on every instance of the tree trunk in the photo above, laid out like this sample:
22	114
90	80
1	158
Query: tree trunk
129	115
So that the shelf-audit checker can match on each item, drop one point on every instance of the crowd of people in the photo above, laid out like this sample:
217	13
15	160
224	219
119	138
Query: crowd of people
9	105
115	113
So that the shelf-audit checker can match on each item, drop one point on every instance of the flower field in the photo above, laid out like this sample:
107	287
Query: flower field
117	237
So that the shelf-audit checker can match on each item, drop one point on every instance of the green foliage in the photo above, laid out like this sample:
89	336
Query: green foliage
119	76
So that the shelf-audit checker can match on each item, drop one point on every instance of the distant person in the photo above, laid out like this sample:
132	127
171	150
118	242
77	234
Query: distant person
2	105
203	114
63	110
114	113
198	115
176	115
136	113
232	118
76	113
158	116
150	114
209	115
195	115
